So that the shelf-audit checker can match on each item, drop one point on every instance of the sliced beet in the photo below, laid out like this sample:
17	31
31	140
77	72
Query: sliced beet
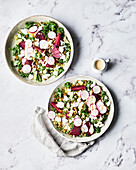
88	124
37	48
55	52
53	104
48	65
76	88
29	62
67	115
57	42
40	36
75	131
22	44
97	97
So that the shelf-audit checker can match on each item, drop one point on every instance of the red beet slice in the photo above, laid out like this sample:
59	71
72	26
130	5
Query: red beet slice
48	65
97	97
40	36
57	42
37	48
55	52
88	124
76	88
29	62
53	104
67	115
75	131
22	44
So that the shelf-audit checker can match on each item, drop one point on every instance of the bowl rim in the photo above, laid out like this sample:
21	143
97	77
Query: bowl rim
82	139
38	83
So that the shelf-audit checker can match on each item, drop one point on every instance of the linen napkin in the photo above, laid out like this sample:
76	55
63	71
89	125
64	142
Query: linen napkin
46	134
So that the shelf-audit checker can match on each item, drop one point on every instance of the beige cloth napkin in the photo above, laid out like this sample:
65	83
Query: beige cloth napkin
43	131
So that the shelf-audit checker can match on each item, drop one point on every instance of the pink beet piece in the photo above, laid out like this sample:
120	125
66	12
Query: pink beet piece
75	131
48	65
37	48
76	88
88	124
29	62
53	104
22	44
55	52
40	36
67	115
97	97
57	42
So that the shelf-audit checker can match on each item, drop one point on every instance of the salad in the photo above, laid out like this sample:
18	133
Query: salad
80	108
41	51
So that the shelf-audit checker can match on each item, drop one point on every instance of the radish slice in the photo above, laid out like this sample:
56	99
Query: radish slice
30	50
76	88
77	121
51	60
84	94
96	89
84	128
102	109
26	69
91	100
33	29
51	114
92	106
51	34
94	112
99	103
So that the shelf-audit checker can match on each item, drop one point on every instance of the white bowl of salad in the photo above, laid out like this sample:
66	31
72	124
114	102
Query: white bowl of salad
39	50
80	108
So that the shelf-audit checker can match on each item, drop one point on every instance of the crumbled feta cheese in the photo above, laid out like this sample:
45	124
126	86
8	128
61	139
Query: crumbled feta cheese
65	98
91	130
67	54
31	77
55	72
93	84
40	28
108	103
19	35
99	124
79	100
63	57
45	76
68	105
106	97
79	93
75	104
80	82
68	91
80	105
22	54
34	69
70	113
58	119
36	43
87	119
62	42
71	95
24	31
50	42
84	128
43	44
66	126
60	105
61	49
44	71
64	121
23	60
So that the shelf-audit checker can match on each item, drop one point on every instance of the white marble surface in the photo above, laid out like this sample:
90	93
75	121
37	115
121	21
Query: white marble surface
105	28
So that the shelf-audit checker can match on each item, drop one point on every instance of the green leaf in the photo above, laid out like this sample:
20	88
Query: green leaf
60	70
23	74
103	92
30	24
72	125
39	77
97	129
67	84
16	50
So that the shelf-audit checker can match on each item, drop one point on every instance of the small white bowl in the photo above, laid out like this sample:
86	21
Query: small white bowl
107	122
10	42
105	63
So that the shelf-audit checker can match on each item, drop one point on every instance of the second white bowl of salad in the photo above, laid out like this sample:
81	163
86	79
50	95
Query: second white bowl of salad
39	50
80	108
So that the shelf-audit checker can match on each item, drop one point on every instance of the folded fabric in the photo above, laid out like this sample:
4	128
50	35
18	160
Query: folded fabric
46	134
